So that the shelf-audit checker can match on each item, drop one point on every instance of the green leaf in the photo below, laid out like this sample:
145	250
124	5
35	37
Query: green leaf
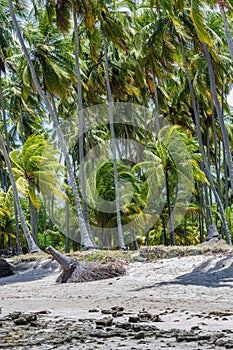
198	21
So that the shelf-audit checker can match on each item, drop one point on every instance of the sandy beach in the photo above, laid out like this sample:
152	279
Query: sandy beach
179	302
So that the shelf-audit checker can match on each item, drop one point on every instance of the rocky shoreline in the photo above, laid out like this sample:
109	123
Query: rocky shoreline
181	303
110	329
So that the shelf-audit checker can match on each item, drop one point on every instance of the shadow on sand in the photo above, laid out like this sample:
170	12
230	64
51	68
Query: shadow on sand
211	273
31	271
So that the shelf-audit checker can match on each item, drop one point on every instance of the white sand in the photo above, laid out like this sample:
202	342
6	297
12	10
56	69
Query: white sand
189	286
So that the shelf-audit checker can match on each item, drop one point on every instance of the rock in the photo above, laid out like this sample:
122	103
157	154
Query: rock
139	335
5	268
106	322
137	327
15	314
193	337
93	310
30	317
220	342
124	325
20	321
34	324
157	318
134	319
43	312
106	312
118	314
138	258
145	315
216	336
117	308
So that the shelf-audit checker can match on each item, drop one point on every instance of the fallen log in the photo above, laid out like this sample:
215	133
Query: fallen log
74	271
5	268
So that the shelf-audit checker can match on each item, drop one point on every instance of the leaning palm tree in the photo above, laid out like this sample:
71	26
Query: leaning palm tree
74	271
85	238
205	39
214	94
112	29
85	10
201	147
36	171
223	6
32	247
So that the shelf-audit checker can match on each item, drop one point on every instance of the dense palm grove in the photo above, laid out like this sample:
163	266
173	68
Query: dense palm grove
171	61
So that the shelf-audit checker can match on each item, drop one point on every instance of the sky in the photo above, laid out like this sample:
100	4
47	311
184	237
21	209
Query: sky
230	98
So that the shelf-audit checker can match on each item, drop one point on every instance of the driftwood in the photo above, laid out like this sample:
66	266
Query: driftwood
5	268
74	271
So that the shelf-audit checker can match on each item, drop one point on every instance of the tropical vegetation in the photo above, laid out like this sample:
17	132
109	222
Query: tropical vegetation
116	127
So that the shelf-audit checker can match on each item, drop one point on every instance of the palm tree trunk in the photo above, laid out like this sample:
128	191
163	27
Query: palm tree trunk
67	239
226	187
85	239
156	101
65	262
81	126
200	215
19	250
185	230
113	148
19	247
227	29
34	221
32	247
45	225
205	162
219	113
170	213
217	168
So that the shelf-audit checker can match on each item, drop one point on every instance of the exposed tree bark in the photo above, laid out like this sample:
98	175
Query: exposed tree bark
85	239
67	239
34	221
205	162
19	247
113	148
219	113
19	250
170	213
227	28
81	127
185	230
217	168
156	102
32	247
76	272
45	222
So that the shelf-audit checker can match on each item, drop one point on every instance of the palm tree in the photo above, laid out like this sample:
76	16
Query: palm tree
112	29
86	241
32	247
35	169
219	113
85	13
4	53
222	6
206	165
205	39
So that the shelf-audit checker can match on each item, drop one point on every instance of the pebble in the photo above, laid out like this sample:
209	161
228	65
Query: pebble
41	331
